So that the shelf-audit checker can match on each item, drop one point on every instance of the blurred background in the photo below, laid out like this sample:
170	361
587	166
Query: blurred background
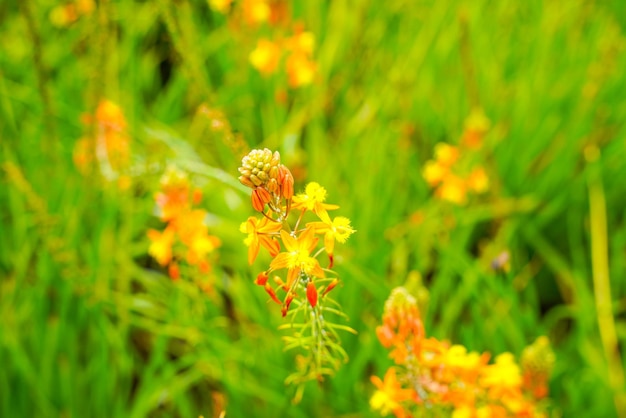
98	98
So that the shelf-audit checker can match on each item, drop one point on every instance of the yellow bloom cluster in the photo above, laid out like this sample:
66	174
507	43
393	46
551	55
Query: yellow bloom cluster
450	173
291	50
298	50
273	196
185	237
434	375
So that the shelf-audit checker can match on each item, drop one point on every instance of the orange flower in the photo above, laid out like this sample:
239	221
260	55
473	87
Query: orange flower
478	180
453	189
260	232
297	257
266	57
390	395
161	245
300	69
256	11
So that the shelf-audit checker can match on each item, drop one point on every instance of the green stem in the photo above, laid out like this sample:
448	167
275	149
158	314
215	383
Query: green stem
601	281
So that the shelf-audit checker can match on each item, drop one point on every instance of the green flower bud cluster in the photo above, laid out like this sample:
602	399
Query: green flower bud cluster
538	357
259	167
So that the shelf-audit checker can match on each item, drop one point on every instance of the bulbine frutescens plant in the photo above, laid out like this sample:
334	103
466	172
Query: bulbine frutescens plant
432	377
295	279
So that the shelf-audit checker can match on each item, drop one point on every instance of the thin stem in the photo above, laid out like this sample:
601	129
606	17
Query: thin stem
601	281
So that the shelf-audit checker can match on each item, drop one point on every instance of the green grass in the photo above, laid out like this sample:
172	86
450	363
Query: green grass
90	327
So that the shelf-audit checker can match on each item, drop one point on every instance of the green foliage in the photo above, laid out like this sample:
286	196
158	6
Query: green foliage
91	326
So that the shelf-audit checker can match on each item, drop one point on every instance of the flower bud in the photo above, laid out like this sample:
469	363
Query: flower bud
258	167
311	294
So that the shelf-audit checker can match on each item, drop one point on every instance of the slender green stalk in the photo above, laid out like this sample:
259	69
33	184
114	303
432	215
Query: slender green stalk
601	281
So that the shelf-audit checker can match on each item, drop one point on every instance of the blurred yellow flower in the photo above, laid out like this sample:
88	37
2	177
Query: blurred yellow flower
221	6
387	399
503	373
256	11
453	189
300	69
478	181
265	57
161	245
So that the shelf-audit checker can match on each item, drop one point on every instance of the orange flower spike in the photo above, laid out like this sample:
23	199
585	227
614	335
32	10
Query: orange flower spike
311	294
260	233
297	257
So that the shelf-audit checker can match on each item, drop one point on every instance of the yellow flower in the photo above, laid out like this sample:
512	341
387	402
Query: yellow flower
300	69
303	42
312	199
161	245
260	233
221	6
390	394
504	373
434	172
256	11
453	189
446	154
338	229
478	180
266	57
297	256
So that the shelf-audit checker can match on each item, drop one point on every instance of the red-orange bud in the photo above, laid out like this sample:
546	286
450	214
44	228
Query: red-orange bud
330	287
311	294
265	196
288	300
331	260
261	279
288	185
272	294
197	196
257	203
174	271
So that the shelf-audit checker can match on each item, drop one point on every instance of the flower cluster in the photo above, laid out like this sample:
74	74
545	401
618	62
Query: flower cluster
444	378
292	50
294	250
186	236
451	172
108	144
298	52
